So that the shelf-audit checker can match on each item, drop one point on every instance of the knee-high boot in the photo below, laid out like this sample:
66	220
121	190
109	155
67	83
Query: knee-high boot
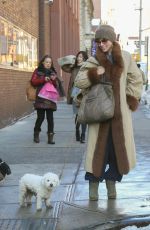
93	191
50	138
36	137
111	189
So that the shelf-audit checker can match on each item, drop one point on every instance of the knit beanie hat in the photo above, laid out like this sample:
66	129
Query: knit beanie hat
105	31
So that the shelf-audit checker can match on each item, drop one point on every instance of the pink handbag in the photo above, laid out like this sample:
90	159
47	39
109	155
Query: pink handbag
49	92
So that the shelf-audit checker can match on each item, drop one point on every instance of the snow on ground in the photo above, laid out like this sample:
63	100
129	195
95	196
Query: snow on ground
136	228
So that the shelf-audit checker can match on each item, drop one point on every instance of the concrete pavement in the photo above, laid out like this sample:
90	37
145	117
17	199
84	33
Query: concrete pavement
71	207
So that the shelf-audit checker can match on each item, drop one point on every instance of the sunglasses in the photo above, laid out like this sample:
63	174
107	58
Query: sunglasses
104	40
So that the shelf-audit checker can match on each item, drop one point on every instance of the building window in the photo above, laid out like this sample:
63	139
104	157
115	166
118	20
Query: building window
17	48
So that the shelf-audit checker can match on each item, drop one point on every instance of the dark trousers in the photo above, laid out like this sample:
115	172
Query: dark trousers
41	117
110	169
83	126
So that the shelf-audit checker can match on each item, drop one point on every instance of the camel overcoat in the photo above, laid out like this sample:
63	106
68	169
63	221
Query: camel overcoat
127	92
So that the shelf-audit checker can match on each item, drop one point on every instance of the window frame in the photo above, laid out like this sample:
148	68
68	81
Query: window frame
18	48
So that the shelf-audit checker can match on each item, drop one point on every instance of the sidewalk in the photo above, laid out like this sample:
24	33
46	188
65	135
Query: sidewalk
71	207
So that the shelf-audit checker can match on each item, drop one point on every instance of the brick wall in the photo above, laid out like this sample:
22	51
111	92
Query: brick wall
57	29
22	13
13	101
25	15
64	39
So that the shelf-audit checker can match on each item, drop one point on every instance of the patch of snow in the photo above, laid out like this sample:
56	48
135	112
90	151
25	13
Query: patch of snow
135	228
145	99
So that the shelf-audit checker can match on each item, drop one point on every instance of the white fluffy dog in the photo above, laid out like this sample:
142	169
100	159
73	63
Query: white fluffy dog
39	186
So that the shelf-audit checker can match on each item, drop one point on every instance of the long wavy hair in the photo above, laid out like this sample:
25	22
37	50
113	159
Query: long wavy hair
85	57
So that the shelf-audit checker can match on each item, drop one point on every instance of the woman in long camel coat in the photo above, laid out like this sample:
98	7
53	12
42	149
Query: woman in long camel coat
111	149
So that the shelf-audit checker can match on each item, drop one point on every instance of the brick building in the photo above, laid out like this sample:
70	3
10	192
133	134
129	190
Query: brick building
30	29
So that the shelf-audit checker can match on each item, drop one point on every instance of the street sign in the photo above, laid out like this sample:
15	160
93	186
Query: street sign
137	43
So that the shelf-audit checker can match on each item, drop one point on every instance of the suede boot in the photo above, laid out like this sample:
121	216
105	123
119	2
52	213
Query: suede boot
50	138
93	191
111	189
36	137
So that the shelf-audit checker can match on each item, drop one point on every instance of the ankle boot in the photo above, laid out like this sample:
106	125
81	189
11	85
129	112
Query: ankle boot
50	138
36	137
82	140
77	135
93	191
111	189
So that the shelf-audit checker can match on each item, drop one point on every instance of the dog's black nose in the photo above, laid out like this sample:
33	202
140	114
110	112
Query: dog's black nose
51	185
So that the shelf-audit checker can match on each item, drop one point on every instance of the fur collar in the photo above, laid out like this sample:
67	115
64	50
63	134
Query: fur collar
112	70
